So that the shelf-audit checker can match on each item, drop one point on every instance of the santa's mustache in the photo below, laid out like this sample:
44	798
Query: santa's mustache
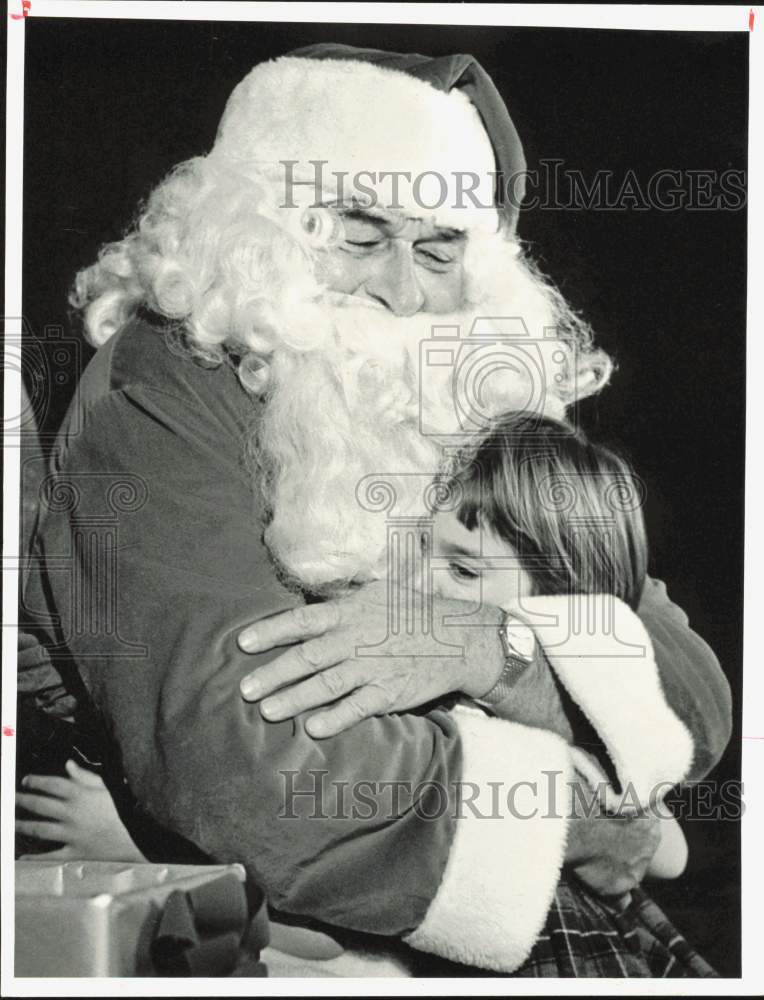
452	372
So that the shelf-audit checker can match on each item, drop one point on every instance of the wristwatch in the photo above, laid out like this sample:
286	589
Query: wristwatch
518	643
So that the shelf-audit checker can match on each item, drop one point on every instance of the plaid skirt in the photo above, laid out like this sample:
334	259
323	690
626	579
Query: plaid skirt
585	937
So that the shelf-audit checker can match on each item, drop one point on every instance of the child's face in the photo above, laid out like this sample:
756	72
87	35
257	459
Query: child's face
475	565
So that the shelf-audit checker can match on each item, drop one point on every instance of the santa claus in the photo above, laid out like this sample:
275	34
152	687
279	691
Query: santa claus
266	334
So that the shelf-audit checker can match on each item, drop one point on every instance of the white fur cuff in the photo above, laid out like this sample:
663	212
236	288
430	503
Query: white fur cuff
602	653
507	852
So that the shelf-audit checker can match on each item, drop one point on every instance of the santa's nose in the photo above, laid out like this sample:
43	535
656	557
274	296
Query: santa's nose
394	283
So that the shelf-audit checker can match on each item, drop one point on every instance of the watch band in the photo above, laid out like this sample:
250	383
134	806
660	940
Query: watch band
519	645
514	668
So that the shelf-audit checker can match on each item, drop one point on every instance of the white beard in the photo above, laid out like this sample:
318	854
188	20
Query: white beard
354	431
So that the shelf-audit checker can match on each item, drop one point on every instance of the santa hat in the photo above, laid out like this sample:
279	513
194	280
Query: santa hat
429	135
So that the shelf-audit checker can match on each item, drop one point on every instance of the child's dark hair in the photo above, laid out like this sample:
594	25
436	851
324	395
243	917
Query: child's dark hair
571	509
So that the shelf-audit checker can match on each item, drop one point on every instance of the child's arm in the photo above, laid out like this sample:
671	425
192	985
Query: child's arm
690	677
77	812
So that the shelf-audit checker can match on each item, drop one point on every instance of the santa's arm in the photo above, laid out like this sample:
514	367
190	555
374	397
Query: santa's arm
361	831
691	677
602	655
688	676
601	652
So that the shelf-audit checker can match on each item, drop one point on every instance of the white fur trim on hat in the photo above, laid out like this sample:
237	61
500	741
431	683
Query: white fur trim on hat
363	121
503	866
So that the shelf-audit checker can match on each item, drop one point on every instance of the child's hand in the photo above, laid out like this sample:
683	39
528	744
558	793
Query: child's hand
611	854
77	812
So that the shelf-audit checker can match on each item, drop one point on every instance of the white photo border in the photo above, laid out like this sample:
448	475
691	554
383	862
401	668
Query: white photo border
610	16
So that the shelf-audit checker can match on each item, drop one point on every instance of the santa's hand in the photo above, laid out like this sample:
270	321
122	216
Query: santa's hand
334	662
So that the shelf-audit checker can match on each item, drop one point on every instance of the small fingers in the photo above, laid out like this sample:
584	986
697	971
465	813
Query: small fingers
60	787
40	829
65	853
302	622
43	805
300	661
363	703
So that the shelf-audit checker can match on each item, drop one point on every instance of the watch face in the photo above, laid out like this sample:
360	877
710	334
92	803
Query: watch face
520	638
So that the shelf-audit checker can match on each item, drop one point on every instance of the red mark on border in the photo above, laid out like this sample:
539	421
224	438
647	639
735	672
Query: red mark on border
7	731
26	6
751	17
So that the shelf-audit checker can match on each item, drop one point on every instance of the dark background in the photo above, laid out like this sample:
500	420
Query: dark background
112	105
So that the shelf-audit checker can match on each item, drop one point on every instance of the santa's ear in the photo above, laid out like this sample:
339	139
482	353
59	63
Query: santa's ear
593	371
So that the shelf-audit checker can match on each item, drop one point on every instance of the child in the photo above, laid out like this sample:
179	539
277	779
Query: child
548	526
